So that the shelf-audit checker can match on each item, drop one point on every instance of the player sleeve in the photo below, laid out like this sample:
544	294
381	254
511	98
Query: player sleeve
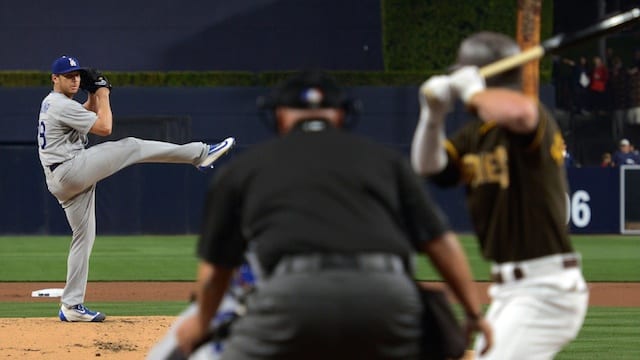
545	144
450	175
423	218
76	116
532	142
221	242
455	147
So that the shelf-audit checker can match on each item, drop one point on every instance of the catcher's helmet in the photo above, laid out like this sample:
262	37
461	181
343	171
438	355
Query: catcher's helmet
308	89
486	47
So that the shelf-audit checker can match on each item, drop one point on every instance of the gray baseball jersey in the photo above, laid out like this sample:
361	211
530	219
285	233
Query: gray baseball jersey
62	128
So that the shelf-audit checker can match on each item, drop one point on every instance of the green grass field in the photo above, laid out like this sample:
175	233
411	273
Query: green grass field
605	258
163	258
608	333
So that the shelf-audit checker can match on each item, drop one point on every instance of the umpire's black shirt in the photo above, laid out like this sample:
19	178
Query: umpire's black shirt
317	189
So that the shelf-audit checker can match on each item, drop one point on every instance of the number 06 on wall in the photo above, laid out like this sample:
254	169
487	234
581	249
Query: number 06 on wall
578	209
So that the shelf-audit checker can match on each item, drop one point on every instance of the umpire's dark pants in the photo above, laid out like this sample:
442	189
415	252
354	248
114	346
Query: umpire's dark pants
330	314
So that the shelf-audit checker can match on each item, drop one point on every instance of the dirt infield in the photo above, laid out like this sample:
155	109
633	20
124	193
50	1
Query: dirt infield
128	338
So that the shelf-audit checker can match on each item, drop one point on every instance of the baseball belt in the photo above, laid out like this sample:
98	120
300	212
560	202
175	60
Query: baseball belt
502	273
360	262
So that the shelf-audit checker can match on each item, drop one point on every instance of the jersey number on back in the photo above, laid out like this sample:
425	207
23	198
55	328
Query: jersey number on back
42	140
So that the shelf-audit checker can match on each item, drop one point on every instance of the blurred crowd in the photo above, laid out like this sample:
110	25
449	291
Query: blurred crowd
626	154
602	86
606	88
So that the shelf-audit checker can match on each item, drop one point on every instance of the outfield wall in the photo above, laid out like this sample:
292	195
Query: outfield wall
167	199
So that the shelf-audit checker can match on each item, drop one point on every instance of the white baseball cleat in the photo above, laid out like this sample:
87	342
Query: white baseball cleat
79	313
216	151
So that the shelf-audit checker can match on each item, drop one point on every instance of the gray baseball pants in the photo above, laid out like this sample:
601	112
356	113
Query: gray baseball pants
330	314
73	183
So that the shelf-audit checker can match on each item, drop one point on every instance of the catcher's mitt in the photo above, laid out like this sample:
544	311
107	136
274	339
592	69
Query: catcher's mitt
92	79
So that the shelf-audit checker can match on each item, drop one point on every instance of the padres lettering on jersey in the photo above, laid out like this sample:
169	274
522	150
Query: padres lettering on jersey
492	166
486	167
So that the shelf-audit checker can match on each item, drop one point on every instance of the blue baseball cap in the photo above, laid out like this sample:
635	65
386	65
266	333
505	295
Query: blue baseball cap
65	64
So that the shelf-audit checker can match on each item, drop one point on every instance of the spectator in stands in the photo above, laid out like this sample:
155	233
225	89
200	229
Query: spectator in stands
624	155
606	160
562	73
580	84
635	152
619	91
633	112
609	58
598	85
568	159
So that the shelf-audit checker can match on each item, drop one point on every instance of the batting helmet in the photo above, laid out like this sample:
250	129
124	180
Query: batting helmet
486	47
308	89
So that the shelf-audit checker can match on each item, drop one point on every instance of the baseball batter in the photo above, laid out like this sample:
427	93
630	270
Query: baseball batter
72	169
509	157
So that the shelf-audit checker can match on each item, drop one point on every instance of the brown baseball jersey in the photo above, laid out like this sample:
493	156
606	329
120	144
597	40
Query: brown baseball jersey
516	187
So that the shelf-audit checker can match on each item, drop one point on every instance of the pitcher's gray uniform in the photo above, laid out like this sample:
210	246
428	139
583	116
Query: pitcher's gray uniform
72	171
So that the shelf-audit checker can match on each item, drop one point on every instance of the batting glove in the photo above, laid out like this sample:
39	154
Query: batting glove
436	94
467	82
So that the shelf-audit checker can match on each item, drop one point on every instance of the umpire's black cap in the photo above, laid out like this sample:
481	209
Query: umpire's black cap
307	89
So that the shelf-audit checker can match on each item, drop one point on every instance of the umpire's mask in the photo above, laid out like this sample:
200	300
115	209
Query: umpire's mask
308	89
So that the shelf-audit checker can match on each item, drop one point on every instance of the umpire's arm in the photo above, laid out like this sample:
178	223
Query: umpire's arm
449	258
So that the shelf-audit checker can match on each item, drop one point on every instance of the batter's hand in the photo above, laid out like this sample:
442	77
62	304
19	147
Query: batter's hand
481	325
440	97
92	79
466	82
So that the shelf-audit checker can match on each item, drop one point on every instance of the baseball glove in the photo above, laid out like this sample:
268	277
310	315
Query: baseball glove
92	79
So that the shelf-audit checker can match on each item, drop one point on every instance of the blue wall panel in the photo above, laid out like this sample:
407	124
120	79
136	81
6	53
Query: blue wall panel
26	206
155	198
594	200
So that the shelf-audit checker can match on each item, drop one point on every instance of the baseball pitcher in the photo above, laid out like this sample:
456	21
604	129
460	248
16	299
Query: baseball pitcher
72	169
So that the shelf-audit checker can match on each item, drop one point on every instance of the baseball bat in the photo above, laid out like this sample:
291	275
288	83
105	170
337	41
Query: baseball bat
528	16
561	42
